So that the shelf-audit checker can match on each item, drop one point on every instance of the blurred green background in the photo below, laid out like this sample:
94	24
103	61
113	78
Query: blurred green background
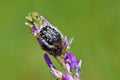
95	25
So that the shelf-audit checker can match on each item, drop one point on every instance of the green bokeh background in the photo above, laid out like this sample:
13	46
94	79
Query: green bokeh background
95	25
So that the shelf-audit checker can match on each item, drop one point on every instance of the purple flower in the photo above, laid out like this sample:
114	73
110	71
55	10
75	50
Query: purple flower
67	77
54	71
33	29
70	59
38	29
72	63
48	61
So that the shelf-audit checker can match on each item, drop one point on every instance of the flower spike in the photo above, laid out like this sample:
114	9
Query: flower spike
54	43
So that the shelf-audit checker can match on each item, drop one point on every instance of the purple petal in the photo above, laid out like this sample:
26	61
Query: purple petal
67	77
71	59
48	61
38	29
33	29
73	62
77	71
45	21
